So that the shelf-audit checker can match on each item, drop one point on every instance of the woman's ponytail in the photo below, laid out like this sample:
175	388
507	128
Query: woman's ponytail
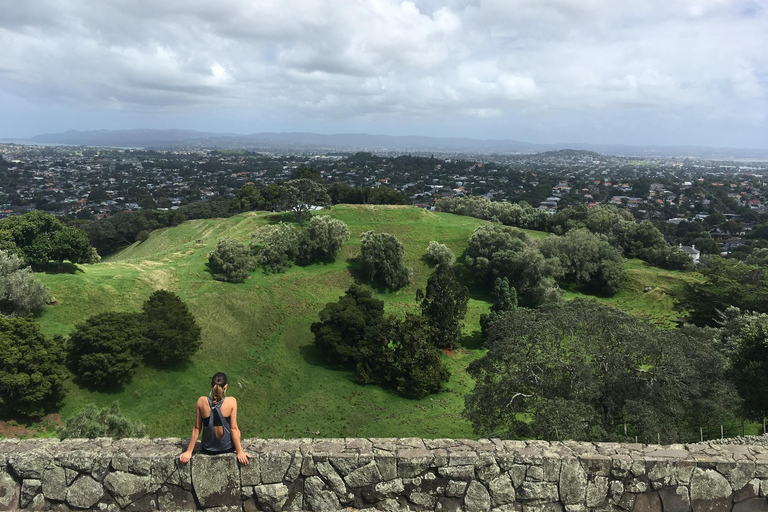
218	382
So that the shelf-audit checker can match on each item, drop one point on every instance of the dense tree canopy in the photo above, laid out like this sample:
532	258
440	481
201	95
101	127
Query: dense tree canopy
20	293
381	259
439	254
32	371
301	195
106	349
322	240
230	261
443	306
39	237
581	370
170	328
276	247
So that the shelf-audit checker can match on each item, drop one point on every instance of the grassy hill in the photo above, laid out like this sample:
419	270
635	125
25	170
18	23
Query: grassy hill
258	331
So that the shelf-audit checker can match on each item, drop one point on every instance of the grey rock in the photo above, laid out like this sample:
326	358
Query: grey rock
457	472
392	505
551	469
170	497
517	474
535	474
294	470
477	498
597	492
675	499
318	498
414	465
648	502
137	465
456	488
29	489
30	464
538	491
501	490
271	496
390	488
751	505
423	499
573	482
216	480
345	464
274	466
486	468
127	487
365	475
55	484
70	474
250	474
737	473
8	490
617	491
147	502
327	471
387	466
84	492
708	484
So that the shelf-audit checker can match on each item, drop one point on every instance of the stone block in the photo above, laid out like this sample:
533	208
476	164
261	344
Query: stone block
387	466
517	473
30	464
319	498
328	473
271	497
456	488
250	474
9	491
389	488
648	502
457	472
597	492
216	480
170	497
501	490
411	463
477	498
84	492
751	505
364	476
422	499
573	482
127	487
55	484
538	491
274	466
29	489
675	499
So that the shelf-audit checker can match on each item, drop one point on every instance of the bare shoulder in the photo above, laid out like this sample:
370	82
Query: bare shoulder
202	400
232	400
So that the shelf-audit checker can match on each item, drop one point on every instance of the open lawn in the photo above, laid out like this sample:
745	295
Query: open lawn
258	331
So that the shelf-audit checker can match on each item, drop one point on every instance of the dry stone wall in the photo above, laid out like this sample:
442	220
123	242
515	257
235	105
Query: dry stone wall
443	475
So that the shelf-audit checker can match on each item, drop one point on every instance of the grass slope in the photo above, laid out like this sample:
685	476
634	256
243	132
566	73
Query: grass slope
258	331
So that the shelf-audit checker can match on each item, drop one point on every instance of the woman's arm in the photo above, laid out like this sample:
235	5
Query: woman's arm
241	455
184	457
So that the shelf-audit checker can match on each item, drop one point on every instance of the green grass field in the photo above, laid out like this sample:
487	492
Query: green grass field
258	331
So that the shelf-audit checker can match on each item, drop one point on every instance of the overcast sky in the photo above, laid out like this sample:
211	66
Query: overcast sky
667	72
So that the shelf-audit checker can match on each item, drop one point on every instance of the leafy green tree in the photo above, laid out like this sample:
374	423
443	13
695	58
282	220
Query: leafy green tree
345	324
399	355
247	198
444	305
301	195
381	258
745	337
170	328
728	283
587	259
385	195
439	254
230	261
71	244
92	422
323	240
581	370
309	173
20	293
106	349
276	247
32	371
504	299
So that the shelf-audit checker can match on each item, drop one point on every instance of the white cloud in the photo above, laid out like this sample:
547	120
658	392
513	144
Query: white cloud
361	58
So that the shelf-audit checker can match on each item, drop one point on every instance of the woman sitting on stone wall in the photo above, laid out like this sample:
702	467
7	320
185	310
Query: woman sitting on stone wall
217	415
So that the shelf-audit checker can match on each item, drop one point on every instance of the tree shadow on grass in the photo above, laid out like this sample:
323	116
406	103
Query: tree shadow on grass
473	342
66	268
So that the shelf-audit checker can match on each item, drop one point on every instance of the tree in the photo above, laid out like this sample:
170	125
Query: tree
323	240
301	195
230	261
439	254
91	422
276	247
444	305
32	371
381	258
400	355
71	244
20	293
247	198
504	299
385	195
581	370
587	259
106	349
745	338
346	323
170	328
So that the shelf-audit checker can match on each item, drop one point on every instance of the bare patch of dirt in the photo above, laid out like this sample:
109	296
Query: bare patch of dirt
12	428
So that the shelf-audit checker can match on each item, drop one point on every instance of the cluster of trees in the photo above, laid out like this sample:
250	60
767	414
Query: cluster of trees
38	238
585	371
106	349
535	269
92	422
401	354
276	247
344	194
381	261
641	240
20	292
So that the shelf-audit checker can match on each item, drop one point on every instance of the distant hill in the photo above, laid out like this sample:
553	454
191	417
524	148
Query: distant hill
303	141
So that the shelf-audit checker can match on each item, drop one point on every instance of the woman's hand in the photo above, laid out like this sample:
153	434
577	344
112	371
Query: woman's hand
184	457
243	458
